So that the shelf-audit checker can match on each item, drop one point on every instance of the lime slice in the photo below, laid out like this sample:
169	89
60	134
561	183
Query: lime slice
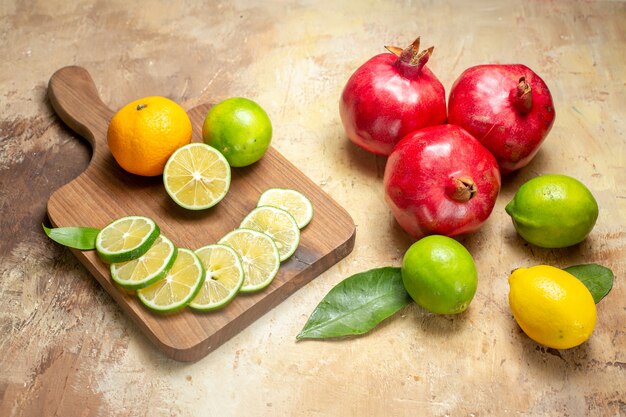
277	224
126	238
148	268
224	277
179	286
291	201
196	176
259	257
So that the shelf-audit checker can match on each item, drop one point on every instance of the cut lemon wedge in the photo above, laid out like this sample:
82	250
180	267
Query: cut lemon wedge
148	268
259	257
196	176
126	238
292	201
224	277
277	224
179	286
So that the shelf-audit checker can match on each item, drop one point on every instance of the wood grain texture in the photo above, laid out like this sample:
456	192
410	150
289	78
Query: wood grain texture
105	192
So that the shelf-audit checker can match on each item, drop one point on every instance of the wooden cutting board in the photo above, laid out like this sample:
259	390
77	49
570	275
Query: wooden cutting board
105	192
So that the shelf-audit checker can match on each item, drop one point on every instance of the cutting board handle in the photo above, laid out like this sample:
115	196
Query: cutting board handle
75	99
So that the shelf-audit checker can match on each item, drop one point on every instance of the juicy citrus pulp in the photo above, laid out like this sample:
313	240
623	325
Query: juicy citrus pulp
196	176
277	224
126	238
179	286
144	133
259	257
439	274
553	211
552	306
292	201
240	129
148	268
224	277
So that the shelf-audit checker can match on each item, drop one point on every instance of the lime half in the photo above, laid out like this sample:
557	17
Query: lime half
292	201
224	277
277	224
179	286
196	176
126	238
148	268
259	257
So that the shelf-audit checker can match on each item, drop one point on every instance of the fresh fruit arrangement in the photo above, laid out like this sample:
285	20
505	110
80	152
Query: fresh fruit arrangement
167	278
442	178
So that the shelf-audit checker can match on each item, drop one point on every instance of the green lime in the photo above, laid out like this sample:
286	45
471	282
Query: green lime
178	287
277	224
148	268
553	211
240	129
439	274
126	238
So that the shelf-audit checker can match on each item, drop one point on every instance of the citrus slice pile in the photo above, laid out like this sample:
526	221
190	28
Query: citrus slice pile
247	259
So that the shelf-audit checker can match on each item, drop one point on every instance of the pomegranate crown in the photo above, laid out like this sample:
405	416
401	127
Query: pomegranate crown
411	55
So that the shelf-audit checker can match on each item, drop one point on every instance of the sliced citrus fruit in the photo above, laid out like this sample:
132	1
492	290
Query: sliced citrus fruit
224	277
196	176
148	268
179	286
277	224
126	238
259	257
291	201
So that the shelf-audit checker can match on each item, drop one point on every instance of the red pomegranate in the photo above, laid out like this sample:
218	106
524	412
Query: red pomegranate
508	108
390	96
441	180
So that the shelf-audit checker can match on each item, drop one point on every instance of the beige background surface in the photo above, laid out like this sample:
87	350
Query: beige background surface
65	347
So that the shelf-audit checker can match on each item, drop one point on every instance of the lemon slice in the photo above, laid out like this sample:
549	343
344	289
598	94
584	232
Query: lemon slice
126	238
277	224
291	201
224	277
179	286
148	268
196	176
259	257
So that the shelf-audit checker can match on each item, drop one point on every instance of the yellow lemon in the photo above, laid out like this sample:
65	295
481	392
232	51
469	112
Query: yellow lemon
552	306
143	134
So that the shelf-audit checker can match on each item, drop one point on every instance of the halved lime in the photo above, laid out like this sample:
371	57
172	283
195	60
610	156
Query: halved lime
196	176
179	286
259	257
291	201
148	268
126	238
277	224
224	277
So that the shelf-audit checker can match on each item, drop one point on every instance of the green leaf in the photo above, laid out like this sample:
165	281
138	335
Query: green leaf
597	278
357	304
83	238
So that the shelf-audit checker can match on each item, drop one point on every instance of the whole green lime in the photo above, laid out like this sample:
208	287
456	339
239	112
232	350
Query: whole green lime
240	129
439	274
553	211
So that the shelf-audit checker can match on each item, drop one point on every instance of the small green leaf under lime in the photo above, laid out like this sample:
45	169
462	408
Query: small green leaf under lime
83	238
597	278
